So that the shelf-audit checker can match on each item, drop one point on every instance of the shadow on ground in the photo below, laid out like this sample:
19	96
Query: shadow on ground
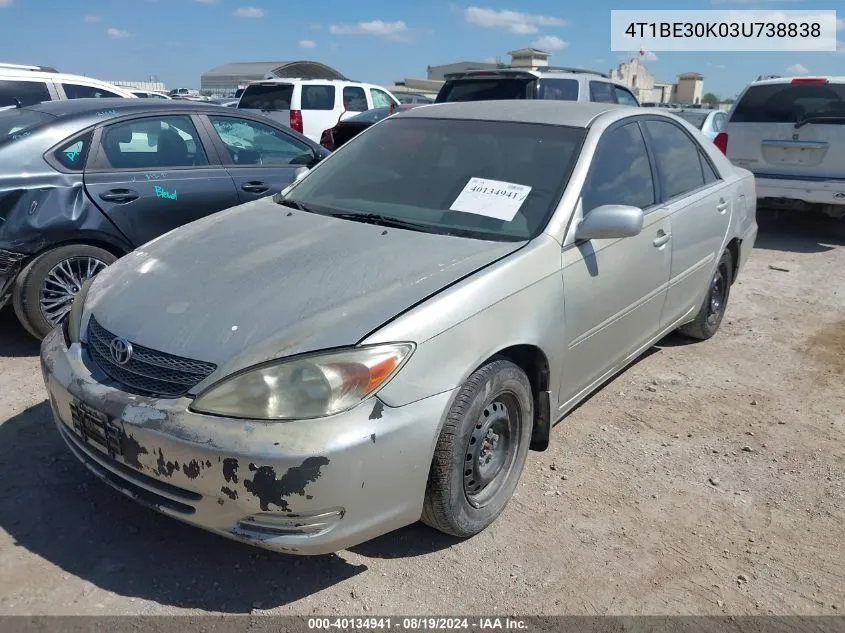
797	232
15	342
52	506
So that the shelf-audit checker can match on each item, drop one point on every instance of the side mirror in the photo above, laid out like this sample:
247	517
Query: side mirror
610	221
300	173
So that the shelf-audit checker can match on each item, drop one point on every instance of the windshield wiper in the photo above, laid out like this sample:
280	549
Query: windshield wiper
382	220
289	202
820	119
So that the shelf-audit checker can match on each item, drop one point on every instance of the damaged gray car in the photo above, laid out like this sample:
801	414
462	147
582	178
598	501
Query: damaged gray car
386	339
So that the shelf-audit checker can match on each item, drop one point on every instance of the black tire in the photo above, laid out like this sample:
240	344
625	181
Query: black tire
712	310
496	391
30	283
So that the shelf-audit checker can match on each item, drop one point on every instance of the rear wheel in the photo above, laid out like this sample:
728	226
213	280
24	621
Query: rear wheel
44	290
712	311
481	451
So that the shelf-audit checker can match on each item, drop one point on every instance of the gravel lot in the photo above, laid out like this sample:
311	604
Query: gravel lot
708	478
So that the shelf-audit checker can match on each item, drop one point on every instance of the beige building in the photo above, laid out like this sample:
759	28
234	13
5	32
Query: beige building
689	89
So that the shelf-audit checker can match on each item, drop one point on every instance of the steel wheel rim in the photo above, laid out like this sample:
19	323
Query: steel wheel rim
491	450
716	299
63	282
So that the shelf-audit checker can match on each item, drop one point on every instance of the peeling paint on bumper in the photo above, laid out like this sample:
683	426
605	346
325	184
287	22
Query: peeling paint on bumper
303	487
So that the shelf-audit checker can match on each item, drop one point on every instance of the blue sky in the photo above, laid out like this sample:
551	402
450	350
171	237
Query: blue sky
371	40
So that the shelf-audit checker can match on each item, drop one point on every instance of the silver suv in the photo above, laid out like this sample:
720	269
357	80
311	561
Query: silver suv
562	84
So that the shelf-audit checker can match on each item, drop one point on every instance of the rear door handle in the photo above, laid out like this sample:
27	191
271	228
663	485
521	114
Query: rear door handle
119	195
255	187
660	240
722	207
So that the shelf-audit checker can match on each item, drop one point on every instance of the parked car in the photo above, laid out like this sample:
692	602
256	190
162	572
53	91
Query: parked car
386	339
412	97
310	106
560	84
791	133
83	182
28	85
347	129
151	94
710	122
654	104
226	103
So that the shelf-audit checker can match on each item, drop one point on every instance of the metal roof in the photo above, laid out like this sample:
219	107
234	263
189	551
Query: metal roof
570	113
301	68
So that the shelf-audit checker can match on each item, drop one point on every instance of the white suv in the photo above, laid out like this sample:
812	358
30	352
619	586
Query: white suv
27	85
791	133
311	106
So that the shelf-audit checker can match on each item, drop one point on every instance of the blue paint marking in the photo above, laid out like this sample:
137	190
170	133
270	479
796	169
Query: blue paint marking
156	175
106	113
161	192
72	155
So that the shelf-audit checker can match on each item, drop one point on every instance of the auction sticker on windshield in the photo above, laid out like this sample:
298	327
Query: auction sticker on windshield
491	198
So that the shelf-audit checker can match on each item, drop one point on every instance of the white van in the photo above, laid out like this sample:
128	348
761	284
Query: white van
311	106
791	133
27	85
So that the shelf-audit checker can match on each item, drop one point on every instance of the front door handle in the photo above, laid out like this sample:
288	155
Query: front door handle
722	207
661	239
255	187
120	196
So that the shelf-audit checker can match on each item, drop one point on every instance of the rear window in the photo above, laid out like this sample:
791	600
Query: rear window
16	124
789	103
559	89
23	93
317	97
500	88
267	97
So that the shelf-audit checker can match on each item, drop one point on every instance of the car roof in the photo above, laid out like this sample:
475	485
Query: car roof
74	107
549	112
788	80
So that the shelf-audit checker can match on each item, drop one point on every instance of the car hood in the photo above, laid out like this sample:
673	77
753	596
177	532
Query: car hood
261	281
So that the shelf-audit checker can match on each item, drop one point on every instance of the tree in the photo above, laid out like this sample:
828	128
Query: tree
710	98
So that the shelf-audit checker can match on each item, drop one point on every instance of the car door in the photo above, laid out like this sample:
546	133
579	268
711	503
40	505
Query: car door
152	174
699	206
261	159
614	289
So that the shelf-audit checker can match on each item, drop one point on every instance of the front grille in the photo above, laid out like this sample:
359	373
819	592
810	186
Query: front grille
148	372
9	260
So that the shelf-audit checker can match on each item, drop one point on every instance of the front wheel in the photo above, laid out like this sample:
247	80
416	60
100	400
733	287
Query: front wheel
712	311
44	290
481	451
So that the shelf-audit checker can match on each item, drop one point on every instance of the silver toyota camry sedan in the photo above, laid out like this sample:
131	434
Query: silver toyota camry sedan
386	339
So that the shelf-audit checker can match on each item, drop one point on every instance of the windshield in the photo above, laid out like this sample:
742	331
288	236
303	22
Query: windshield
485	89
18	123
485	179
696	118
789	103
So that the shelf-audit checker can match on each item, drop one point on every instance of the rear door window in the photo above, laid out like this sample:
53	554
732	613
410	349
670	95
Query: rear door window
77	91
789	103
602	92
354	99
152	143
25	93
558	89
499	88
678	158
317	97
267	97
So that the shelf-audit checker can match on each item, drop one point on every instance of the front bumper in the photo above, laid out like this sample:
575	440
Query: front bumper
808	191
303	487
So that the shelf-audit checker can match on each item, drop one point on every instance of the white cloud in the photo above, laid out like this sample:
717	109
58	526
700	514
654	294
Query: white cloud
840	47
5	3
549	43
512	21
316	27
91	19
840	24
648	57
249	12
307	43
599	61
377	28
797	69
117	34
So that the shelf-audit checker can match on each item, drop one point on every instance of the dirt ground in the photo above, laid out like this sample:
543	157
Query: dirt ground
708	478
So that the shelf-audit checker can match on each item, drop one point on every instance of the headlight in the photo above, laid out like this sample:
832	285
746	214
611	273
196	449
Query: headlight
73	323
307	387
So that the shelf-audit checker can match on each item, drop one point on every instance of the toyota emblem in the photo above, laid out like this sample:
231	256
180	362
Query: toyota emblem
120	350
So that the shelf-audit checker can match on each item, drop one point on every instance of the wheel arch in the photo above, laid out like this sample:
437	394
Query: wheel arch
734	247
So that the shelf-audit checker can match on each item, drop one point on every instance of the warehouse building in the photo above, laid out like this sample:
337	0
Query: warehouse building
227	78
